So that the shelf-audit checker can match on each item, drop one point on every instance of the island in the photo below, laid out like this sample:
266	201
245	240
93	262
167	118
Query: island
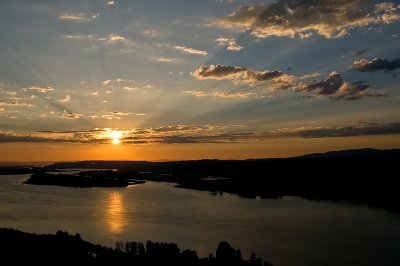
85	179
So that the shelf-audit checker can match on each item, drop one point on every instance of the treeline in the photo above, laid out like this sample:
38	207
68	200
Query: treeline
17	247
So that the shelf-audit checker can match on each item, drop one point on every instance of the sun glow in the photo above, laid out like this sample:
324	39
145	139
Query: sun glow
115	136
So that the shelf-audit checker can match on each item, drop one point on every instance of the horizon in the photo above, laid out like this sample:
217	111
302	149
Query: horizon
221	79
46	163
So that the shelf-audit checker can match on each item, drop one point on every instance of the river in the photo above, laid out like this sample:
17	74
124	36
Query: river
289	231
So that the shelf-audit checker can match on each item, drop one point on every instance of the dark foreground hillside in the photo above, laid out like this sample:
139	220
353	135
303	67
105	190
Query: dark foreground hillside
19	248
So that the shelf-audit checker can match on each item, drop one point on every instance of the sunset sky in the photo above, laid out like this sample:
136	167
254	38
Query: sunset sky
159	80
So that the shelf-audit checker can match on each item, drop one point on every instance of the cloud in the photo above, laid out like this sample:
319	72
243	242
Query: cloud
66	99
110	3
364	129
111	115
230	44
221	72
301	19
171	134
77	17
14	104
112	38
189	50
165	59
219	94
333	86
41	89
108	39
70	115
377	64
9	137
125	84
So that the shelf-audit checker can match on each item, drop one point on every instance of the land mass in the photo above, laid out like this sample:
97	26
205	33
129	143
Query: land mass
19	248
85	179
365	176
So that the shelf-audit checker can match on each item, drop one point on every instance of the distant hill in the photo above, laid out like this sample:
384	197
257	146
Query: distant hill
352	153
147	165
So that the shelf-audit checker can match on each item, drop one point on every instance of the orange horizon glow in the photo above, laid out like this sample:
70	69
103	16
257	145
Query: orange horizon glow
279	148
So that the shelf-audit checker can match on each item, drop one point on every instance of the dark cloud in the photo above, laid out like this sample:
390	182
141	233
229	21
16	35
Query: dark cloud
377	64
11	137
333	86
301	19
221	72
347	131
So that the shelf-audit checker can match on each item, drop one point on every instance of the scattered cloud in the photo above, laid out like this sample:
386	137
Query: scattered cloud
111	115
230	44
301	19
189	50
70	115
108	39
151	33
377	64
165	59
77	17
333	86
41	89
14	104
125	84
112	38
219	94
66	99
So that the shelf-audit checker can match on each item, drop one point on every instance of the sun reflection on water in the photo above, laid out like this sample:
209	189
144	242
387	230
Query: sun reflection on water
115	213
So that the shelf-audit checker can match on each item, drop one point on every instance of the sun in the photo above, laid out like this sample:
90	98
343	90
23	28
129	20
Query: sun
115	136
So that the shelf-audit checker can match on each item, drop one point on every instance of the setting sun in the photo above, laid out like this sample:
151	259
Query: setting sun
115	136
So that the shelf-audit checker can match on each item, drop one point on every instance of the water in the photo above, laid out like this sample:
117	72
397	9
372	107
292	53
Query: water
291	231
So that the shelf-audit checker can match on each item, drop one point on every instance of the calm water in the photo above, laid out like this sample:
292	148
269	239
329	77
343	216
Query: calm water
290	231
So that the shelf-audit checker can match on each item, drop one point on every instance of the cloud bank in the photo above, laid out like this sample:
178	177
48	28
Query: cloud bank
302	19
173	134
333	86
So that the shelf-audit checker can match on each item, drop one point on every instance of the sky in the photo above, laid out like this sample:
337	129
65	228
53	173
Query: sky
176	80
